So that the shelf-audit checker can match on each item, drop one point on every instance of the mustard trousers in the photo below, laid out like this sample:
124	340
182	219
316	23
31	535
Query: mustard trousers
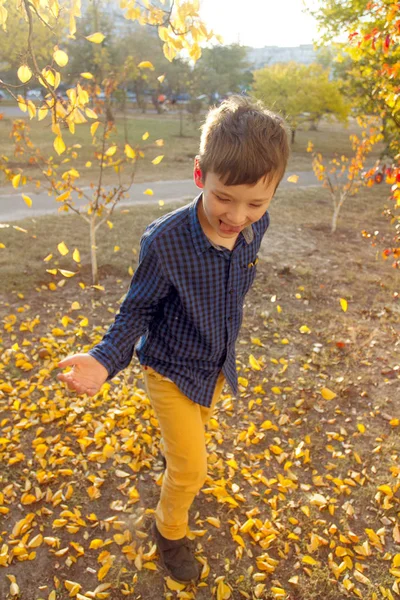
182	424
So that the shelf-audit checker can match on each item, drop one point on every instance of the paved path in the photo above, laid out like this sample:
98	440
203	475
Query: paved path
13	207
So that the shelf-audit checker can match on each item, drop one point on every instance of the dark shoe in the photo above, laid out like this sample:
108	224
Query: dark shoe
177	558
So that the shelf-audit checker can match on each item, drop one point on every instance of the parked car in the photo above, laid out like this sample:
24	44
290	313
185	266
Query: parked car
35	94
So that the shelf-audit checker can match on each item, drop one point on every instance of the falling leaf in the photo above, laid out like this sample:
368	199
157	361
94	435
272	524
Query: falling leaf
87	75
148	192
161	202
76	256
293	179
27	200
145	136
343	304
95	38
161	78
157	159
145	64
15	180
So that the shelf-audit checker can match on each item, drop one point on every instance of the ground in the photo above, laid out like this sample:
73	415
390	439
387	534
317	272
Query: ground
302	499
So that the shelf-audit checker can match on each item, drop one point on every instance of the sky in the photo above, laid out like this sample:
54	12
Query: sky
259	23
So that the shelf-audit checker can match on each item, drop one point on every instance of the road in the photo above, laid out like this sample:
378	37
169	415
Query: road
13	207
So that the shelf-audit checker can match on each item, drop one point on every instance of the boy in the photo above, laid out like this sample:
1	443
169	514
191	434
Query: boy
185	304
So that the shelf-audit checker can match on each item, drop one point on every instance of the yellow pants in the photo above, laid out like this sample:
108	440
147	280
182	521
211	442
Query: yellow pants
182	423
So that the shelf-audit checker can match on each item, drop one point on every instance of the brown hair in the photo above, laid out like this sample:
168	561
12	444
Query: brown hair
242	141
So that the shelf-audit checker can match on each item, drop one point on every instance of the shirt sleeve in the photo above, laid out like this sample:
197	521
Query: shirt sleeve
149	287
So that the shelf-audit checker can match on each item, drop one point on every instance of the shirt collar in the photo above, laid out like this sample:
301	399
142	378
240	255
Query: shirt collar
200	240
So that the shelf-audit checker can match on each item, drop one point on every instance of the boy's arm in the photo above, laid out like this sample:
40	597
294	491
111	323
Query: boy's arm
149	286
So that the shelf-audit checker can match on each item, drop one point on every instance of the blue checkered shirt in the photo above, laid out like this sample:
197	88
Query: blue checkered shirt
185	303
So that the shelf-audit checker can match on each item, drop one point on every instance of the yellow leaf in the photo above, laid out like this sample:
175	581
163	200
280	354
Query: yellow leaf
59	145
27	200
51	271
90	113
214	521
24	73
254	363
103	571
84	322
327	394
93	128
309	560
145	64
116	248
95	38
42	113
88	164
65	273
110	224
95	544
157	159
145	136
304	329
129	151
361	427
130	271
15	180
62	248
76	256
293	179
161	202
343	304
60	57
161	78
87	75
111	150
75	306
2	245
14	589
148	192
174	585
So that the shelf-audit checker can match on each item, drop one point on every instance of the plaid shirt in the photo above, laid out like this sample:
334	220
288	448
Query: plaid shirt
185	303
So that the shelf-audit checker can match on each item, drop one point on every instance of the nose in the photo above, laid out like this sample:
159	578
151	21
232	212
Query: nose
236	218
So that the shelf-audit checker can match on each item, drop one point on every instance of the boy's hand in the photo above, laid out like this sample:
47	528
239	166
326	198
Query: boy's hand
86	376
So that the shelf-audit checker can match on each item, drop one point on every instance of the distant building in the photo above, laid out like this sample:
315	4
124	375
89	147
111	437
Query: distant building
269	55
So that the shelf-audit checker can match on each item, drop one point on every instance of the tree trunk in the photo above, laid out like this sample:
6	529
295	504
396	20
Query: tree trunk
293	135
180	121
335	217
93	250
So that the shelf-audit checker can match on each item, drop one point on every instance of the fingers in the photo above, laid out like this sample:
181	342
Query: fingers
74	385
68	362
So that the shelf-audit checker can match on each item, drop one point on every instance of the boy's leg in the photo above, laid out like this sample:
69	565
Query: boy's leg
182	428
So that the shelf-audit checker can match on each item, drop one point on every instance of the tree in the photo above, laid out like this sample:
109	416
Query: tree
343	176
179	27
371	57
300	93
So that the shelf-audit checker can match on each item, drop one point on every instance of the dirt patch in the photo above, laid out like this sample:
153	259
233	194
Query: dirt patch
303	486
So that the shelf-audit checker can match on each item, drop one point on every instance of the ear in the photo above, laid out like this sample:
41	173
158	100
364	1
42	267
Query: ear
197	174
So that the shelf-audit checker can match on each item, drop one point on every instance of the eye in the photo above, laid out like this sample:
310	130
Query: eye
222	199
256	205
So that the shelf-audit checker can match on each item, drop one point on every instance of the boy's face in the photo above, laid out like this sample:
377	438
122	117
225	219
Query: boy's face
229	209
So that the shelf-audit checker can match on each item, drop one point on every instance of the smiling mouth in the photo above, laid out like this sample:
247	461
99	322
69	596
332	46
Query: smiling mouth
229	228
